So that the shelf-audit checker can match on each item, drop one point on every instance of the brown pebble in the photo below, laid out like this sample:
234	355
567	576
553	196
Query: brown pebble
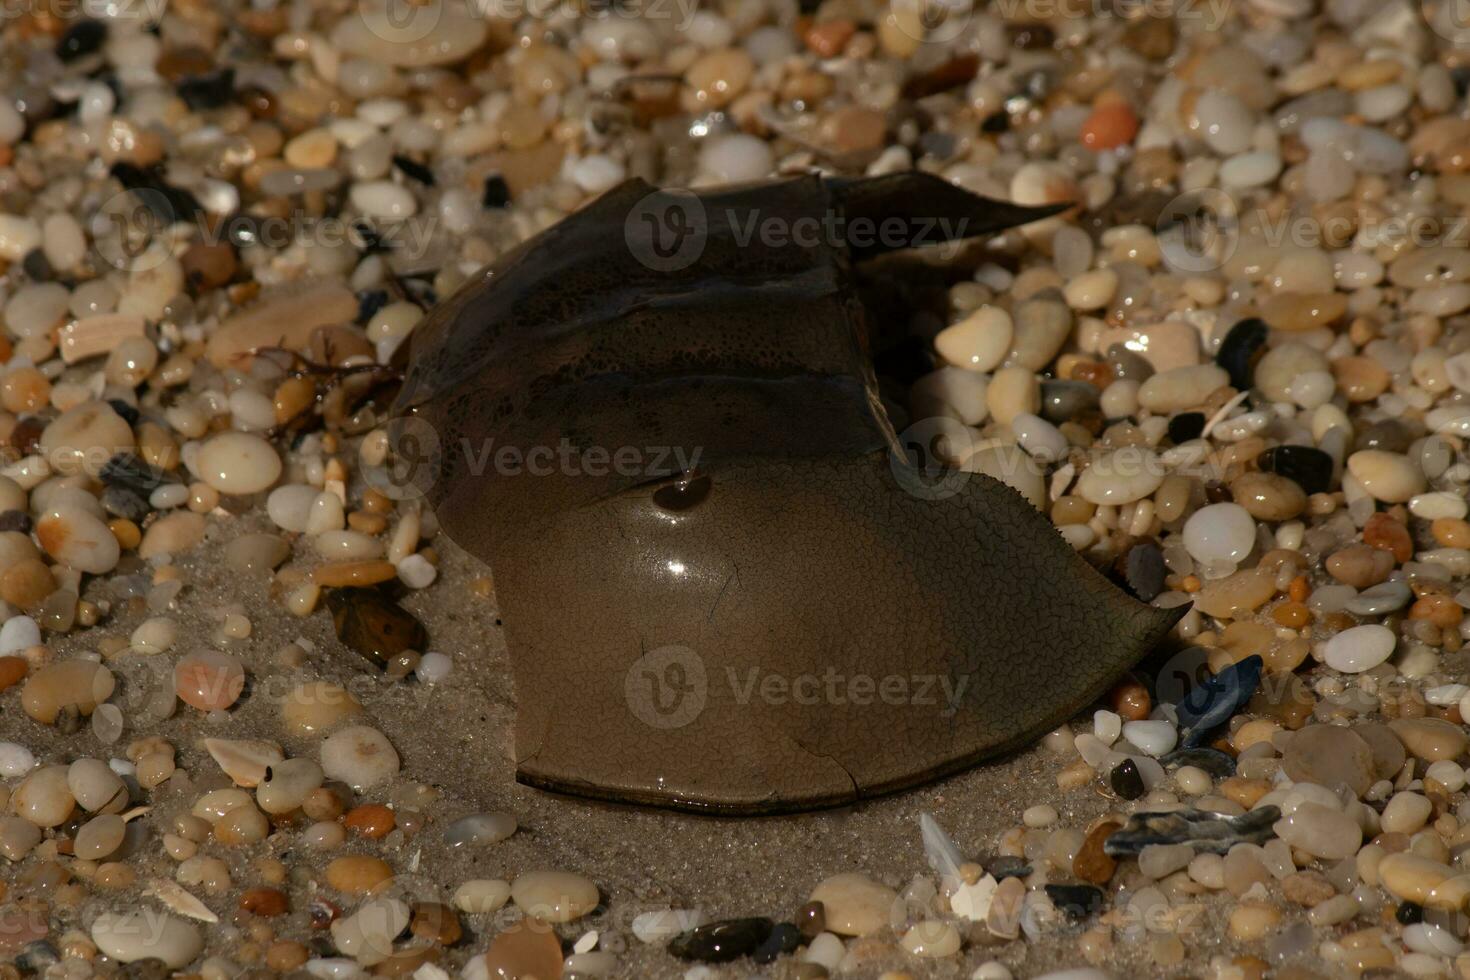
265	902
527	949
1091	864
1360	565
285	956
436	923
371	820
353	573
357	874
1387	534
12	671
811	919
1130	699
208	265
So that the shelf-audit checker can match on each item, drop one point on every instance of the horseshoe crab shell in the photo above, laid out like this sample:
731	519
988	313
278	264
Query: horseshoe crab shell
723	586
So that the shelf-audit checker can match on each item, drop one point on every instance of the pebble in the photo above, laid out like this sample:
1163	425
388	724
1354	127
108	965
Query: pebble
480	896
172	534
43	797
527	949
209	680
855	905
367	934
1181	387
1220	534
1321	831
316	707
78	539
1360	648
357	874
238	463
1121	477
1157	738
99	837
554	896
720	942
15	760
79	684
287	784
480	828
1390	477
441	34
95	786
359	756
374	626
1329	755
1430	739
147	935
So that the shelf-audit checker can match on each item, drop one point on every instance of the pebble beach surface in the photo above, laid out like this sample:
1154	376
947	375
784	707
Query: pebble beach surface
255	711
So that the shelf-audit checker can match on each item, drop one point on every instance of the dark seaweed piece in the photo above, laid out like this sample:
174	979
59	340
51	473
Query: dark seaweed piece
1241	349
720	942
1212	703
1076	902
1213	833
373	625
1213	761
122	502
1126	780
496	193
208	91
80	39
1186	426
1309	467
1144	570
414	170
784	939
167	203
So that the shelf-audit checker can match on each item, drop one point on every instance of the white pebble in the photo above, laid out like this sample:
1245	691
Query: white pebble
19	633
1154	737
1360	648
417	572
1220	534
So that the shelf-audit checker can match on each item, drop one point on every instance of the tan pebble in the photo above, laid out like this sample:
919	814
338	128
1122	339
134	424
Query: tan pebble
1251	921
172	534
855	904
286	320
209	680
99	837
358	874
528	948
43	798
1430	739
554	896
353	573
82	684
316	707
1303	311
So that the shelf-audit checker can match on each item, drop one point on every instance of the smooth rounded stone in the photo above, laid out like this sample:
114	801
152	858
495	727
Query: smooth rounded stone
99	837
931	939
172	534
438	33
1121	477
1039	438
35	308
1331	756
724	940
15	760
1160	860
1439	504
367	935
1321	831
1280	366
1390	477
359	756
84	437
287	319
554	896
1128	365
1389	435
1063	401
1180	388
43	798
1411	877
289	506
527	949
661	925
18	634
357	874
147	934
482	896
82	684
1012	390
1224	122
950	391
256	554
1220	534
384	200
1157	738
154	635
287	784
1268	496
1380	599
209	680
238	463
1406	813
855	904
316	707
479	829
1360	648
95	786
17	837
78	539
1042	325
1430	739
736	158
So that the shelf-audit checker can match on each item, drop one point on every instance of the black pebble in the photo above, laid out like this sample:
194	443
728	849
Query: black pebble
122	502
168	204
1308	466
1126	780
998	122
208	91
414	170
80	39
36	266
720	942
784	938
1076	901
1241	349
1186	426
369	302
15	520
1408	913
1008	866
1144	570
496	194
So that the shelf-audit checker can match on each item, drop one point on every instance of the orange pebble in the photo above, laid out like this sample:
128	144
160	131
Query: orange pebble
209	680
1110	125
1191	583
1292	614
371	820
1130	699
1299	589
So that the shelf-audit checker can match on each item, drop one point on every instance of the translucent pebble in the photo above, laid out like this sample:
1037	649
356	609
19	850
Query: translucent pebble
107	723
479	828
735	158
433	668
